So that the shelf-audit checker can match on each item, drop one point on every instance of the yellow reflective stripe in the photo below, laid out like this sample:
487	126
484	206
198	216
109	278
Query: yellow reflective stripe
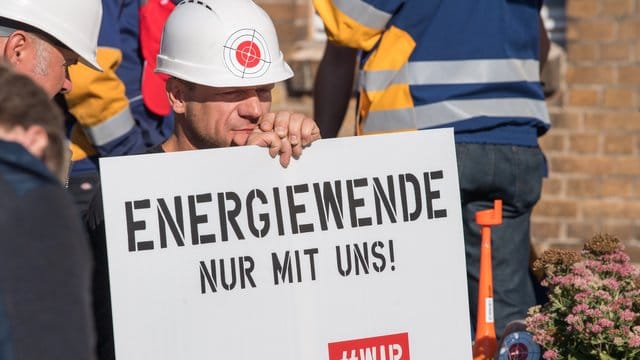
345	30
393	52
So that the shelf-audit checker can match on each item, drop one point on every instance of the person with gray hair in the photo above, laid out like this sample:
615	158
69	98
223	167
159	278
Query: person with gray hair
41	39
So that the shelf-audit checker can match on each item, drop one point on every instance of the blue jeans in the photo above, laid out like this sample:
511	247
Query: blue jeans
514	175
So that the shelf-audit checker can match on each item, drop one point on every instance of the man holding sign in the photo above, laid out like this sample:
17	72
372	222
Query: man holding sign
234	257
220	92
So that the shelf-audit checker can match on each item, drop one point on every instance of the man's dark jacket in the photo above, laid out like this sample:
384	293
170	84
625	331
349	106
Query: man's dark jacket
45	264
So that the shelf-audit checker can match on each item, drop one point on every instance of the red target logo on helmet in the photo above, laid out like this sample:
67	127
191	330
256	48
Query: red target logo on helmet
246	54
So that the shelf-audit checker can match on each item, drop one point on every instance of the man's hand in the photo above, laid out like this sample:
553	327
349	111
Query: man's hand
272	141
285	133
299	129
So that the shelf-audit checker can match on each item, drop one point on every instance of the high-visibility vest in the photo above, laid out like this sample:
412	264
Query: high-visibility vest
471	65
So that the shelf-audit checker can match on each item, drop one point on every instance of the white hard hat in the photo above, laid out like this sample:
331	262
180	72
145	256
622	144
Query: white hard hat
74	23
221	43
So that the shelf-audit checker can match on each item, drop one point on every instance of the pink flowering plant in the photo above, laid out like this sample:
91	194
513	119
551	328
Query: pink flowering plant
594	303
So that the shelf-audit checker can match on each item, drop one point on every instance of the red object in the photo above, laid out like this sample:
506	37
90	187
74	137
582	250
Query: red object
518	352
388	347
485	345
248	54
152	18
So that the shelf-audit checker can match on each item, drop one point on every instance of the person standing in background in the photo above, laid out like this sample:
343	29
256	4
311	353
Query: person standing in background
473	66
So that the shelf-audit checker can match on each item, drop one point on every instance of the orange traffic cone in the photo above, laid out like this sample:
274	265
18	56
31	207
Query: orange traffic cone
485	344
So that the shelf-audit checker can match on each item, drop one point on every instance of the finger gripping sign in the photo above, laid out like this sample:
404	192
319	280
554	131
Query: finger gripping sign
354	252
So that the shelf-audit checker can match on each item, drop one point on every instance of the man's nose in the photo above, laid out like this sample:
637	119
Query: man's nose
250	106
66	84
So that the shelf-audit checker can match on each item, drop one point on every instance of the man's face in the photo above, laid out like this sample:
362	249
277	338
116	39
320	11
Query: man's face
46	64
221	117
50	68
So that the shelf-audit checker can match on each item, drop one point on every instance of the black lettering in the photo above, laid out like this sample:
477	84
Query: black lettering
133	226
230	215
278	206
342	270
175	225
355	203
209	276
411	179
227	274
378	256
264	217
281	270
312	264
246	268
298	266
392	257
361	257
295	209
196	219
228	285
432	195
389	202
328	199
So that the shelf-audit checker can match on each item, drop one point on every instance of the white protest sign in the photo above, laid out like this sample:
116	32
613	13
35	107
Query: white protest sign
354	252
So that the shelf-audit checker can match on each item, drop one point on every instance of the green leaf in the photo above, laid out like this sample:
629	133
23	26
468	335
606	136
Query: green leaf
605	356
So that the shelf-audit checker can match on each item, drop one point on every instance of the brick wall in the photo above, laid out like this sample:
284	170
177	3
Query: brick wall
291	18
593	148
293	22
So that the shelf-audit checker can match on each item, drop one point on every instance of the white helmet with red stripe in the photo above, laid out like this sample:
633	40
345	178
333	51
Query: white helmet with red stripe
221	43
73	23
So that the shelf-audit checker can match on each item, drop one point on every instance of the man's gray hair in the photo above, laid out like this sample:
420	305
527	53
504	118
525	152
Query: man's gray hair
42	55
